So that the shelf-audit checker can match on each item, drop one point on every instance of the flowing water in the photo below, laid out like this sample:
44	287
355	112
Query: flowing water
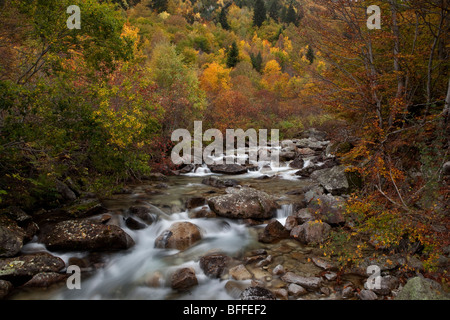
142	272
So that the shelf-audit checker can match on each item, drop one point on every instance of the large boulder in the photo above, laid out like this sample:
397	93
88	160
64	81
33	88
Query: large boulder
29	265
11	237
180	235
84	235
228	168
311	232
334	179
243	203
330	208
419	288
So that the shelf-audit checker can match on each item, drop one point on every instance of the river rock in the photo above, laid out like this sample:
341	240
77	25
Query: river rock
367	295
214	265
291	222
304	215
295	290
281	294
228	168
195	202
235	288
334	179
214	181
420	288
133	224
257	293
311	283
287	155
289	144
240	272
45	279
183	279
243	203
323	264
297	163
311	232
187	168
11	237
84	235
311	143
279	270
146	214
180	235
386	285
272	232
5	288
29	265
66	194
348	291
331	208
330	276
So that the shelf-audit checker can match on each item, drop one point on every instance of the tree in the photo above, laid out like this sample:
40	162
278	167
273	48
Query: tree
291	16
274	9
259	13
233	55
310	54
389	85
215	78
223	19
256	61
159	5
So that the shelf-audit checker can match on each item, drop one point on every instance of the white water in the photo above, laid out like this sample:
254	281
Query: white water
127	274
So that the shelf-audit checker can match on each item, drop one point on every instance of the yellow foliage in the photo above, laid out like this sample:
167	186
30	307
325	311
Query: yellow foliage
215	78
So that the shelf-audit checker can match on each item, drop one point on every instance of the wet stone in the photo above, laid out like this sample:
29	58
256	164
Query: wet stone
213	265
183	279
257	293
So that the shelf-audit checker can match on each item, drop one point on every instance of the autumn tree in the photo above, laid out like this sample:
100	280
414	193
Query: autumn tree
375	79
215	78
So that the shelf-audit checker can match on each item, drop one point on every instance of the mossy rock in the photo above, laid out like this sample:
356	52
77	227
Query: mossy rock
419	288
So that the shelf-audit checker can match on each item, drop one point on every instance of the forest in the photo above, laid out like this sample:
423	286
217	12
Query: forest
93	108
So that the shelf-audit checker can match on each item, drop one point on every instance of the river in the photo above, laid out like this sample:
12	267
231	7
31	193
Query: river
143	271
